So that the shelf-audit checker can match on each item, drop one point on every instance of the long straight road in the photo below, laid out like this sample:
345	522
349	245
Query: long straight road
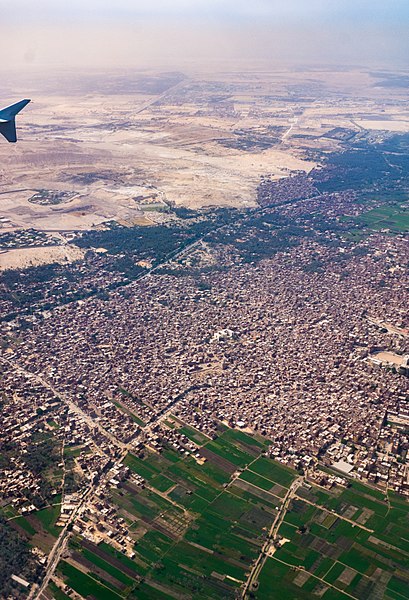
62	541
323	581
331	512
71	405
259	564
152	101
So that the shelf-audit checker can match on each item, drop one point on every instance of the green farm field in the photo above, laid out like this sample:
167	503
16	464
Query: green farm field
349	542
391	216
198	529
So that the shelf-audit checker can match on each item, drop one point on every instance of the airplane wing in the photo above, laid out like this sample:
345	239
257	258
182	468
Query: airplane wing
8	121
8	129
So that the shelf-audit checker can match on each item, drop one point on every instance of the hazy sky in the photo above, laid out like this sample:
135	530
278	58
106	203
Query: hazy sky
64	33
298	10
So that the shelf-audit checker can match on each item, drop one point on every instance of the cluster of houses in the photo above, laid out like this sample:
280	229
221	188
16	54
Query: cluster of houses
273	347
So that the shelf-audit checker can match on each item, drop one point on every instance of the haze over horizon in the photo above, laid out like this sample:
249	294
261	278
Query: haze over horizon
108	34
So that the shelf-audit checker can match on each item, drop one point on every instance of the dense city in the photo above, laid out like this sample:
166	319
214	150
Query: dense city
307	348
204	343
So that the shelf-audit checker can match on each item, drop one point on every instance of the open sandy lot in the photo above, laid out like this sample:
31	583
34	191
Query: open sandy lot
32	257
195	139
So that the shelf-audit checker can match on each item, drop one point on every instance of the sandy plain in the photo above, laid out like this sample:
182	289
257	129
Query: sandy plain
22	258
195	140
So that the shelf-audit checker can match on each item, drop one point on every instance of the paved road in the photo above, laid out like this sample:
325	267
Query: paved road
62	541
56	552
326	583
259	564
16	191
156	99
292	493
289	130
336	514
71	405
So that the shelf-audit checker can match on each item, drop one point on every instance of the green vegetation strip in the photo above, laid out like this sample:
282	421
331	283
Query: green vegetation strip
106	566
48	517
84	584
57	594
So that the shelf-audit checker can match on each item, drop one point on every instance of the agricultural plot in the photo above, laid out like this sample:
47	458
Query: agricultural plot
146	507
393	217
193	434
55	592
39	527
273	471
48	518
197	527
350	542
85	585
235	448
278	581
191	483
